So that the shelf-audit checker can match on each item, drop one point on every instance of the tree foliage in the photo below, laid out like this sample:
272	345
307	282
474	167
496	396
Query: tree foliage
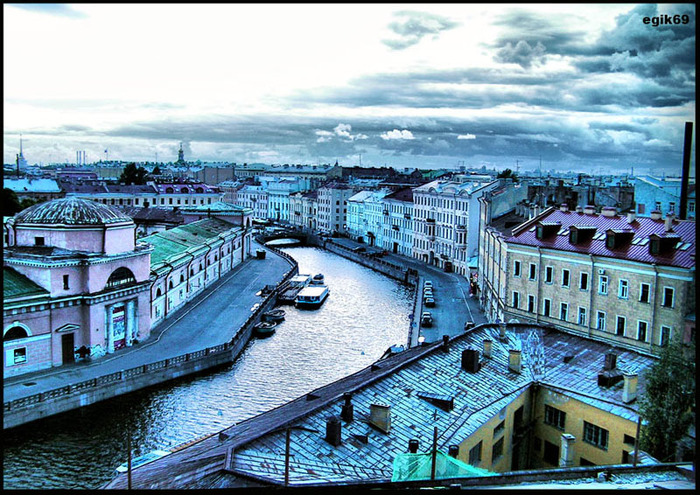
507	174
156	170
133	174
10	202
668	403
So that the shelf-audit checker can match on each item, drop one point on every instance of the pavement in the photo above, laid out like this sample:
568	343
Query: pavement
193	327
453	305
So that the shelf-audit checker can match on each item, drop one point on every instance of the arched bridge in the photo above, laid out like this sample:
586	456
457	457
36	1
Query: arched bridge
286	234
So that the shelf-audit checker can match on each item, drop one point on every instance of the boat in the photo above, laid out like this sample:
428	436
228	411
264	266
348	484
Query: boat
275	315
317	279
264	328
300	280
142	459
311	297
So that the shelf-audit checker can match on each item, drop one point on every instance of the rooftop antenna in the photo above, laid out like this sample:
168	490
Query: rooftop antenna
540	165
517	166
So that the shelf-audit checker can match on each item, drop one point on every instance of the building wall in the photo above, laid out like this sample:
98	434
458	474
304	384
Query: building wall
398	227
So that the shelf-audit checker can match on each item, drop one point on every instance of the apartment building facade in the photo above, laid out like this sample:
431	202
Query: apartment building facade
304	209
332	207
254	198
398	224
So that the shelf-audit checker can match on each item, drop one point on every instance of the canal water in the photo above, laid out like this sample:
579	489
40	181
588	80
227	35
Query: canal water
365	313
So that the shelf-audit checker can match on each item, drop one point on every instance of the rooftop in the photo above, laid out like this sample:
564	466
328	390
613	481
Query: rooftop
14	284
71	211
636	250
408	382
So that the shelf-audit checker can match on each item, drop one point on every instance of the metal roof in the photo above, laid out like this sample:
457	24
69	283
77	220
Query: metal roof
71	211
14	284
637	250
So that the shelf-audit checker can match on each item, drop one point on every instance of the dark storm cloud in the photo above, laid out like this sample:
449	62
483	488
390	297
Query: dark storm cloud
57	9
415	26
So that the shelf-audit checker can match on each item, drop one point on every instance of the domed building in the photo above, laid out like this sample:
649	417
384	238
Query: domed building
76	283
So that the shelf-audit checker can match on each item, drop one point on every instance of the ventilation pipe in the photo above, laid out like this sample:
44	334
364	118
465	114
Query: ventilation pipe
668	224
610	361
488	347
333	431
629	392
346	413
566	458
413	446
514	361
380	417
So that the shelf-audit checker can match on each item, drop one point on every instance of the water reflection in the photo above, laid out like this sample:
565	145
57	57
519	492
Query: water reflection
364	315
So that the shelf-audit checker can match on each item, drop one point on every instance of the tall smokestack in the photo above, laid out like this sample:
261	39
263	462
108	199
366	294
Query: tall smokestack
686	169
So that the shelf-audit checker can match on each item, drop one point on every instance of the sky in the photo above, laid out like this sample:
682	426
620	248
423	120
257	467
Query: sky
575	87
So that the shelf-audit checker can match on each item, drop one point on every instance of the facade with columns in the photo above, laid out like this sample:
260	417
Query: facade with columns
75	285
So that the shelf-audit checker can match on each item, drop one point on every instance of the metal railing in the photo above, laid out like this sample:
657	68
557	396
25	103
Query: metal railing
164	363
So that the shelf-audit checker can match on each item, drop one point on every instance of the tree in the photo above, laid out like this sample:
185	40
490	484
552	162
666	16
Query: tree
156	170
133	175
10	203
669	400
507	174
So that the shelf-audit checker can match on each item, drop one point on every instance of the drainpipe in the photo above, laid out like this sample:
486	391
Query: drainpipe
590	299
539	285
165	313
189	268
151	292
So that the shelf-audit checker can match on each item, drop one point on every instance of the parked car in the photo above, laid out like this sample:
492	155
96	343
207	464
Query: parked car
429	302
426	319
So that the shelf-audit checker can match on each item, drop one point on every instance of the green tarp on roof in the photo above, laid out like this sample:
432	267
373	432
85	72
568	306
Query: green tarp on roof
413	467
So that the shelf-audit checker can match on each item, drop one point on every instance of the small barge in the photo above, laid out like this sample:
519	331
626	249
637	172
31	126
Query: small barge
312	297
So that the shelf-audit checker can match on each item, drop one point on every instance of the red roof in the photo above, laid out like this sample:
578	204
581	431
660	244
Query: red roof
683	256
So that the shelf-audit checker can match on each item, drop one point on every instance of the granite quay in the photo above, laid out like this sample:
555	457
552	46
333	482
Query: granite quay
178	346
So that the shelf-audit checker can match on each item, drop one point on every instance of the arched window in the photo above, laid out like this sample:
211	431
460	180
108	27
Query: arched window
182	278
199	190
169	190
158	292
170	284
216	258
120	276
184	190
15	333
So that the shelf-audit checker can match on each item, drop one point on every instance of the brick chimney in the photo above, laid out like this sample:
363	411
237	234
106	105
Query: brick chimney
380	417
579	209
446	343
609	211
470	360
668	224
453	451
346	413
589	210
514	362
629	392
610	361
564	207
413	446
488	347
566	458
333	430
631	217
655	215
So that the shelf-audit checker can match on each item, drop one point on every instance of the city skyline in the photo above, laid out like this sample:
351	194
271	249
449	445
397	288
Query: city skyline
581	87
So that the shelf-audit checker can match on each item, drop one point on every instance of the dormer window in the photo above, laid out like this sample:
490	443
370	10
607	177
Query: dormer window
662	244
546	229
579	234
618	238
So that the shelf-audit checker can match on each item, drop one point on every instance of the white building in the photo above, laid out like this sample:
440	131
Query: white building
356	222
446	222
398	229
332	207
376	216
255	198
304	210
278	192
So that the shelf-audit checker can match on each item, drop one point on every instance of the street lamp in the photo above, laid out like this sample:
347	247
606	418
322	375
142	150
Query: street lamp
421	339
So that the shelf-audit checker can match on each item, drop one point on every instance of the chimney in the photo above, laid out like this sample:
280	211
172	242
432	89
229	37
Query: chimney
502	332
470	360
687	145
413	446
579	209
488	346
346	413
629	392
589	210
631	217
514	363
566	459
609	211
610	361
655	215
380	417
445	343
453	451
668	224
564	207
333	428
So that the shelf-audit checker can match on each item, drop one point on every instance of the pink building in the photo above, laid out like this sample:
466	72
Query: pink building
75	283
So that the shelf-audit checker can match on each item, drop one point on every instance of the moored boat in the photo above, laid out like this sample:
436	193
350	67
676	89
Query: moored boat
317	279
311	297
264	328
274	315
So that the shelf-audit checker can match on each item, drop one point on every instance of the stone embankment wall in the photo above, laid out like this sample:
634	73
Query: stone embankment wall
73	396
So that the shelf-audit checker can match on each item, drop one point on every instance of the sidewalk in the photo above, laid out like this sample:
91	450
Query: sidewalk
183	332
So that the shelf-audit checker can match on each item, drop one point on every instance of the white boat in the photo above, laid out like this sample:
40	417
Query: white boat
311	297
300	280
317	279
142	459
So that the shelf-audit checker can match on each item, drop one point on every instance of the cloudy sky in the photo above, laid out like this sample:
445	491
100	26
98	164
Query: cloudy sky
584	87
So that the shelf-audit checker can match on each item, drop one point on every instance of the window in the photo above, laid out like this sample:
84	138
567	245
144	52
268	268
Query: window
582	316
499	429
564	311
554	417
601	321
668	297
595	435
565	278
516	299
644	293
533	271
537	444
39	241
583	281
623	289
530	303
641	208
620	329
665	335
548	275
642	331
497	450
603	284
586	462
546	307
16	356
65	282
672	207
551	453
658	205
516	268
475	454
629	440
